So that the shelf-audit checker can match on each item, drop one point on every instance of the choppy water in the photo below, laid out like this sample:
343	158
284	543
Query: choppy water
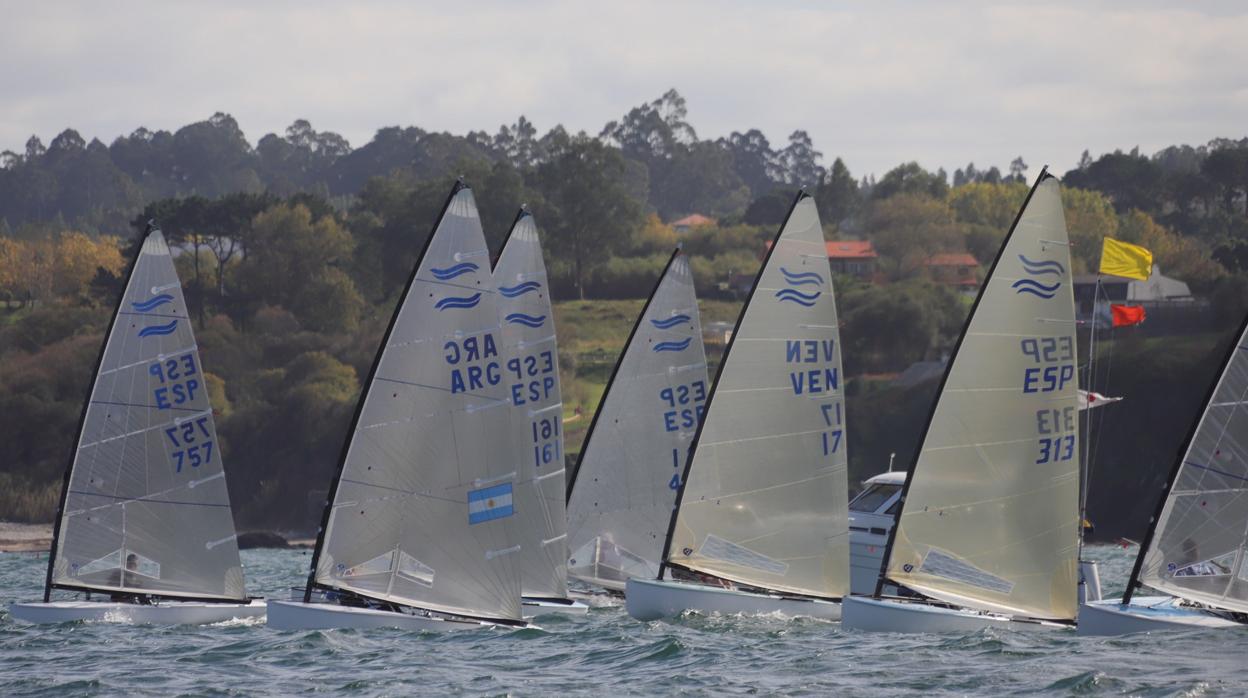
605	653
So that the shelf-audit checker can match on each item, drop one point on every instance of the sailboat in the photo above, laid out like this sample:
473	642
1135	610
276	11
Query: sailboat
1197	543
988	532
419	528
144	527
531	375
622	492
760	523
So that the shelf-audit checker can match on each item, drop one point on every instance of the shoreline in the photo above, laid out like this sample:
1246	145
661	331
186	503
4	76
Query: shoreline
37	538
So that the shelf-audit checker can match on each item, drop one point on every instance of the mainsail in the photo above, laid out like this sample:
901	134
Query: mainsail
145	507
421	513
1197	548
990	519
621	496
531	376
764	497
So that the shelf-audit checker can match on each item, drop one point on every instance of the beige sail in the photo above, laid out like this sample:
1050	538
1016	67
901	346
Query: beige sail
765	499
991	518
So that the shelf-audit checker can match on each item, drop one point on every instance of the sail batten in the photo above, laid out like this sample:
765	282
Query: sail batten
624	486
764	498
532	387
420	512
144	508
990	507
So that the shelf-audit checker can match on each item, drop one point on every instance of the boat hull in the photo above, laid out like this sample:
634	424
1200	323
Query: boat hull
164	613
297	615
534	607
898	616
649	599
1145	614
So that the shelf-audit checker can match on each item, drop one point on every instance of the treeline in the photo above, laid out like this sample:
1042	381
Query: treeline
292	255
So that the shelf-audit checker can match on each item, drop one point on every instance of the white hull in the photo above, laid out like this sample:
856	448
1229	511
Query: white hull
161	613
1145	614
534	607
297	615
649	599
897	616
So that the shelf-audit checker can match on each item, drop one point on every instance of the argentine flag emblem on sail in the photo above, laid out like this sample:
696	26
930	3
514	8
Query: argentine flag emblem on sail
489	503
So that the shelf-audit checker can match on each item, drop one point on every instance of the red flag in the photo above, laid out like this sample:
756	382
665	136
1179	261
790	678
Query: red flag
1127	315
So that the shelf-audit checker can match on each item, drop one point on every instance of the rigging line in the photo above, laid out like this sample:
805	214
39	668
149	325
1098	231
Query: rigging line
145	499
1215	470
152	407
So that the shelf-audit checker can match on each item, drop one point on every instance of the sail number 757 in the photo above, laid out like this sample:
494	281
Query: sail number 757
192	443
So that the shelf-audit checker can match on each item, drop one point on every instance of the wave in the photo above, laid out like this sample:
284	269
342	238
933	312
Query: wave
803	299
519	289
452	272
673	346
801	278
670	322
1042	267
152	303
457	302
526	320
1035	288
159	330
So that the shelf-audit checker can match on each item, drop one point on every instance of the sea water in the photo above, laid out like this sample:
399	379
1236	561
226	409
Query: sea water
602	654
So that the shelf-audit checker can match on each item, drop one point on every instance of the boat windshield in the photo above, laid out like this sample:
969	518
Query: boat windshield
870	499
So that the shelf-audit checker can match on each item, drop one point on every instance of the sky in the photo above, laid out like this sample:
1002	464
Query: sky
876	83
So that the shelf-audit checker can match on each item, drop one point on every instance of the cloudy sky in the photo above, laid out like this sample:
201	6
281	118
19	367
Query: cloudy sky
876	83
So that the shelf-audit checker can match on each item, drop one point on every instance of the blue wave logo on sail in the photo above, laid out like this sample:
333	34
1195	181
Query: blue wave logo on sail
670	322
458	302
152	303
526	320
519	289
795	296
673	346
1035	288
451	272
801	278
159	330
1043	267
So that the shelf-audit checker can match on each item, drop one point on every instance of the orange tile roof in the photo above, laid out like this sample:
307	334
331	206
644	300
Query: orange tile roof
851	249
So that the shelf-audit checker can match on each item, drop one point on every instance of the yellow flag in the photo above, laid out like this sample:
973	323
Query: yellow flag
1125	259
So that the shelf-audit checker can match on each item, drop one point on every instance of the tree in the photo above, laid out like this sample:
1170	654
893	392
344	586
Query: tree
837	194
586	209
910	178
909	228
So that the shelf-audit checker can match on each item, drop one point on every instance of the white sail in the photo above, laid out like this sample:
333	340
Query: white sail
531	375
145	507
629	470
1198	548
423	509
765	499
991	513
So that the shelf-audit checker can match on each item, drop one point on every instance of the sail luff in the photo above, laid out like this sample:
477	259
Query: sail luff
82	417
1170	557
764	501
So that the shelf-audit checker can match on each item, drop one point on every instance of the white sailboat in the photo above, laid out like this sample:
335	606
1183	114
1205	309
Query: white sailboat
144	530
760	523
988	532
531	376
1196	549
622	492
419	530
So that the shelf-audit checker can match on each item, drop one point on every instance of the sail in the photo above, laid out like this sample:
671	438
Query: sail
1197	550
531	375
765	501
991	513
621	500
145	506
422	512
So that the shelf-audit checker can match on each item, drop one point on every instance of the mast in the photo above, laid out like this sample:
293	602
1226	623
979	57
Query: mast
367	386
710	397
905	487
86	405
619	361
1133	581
